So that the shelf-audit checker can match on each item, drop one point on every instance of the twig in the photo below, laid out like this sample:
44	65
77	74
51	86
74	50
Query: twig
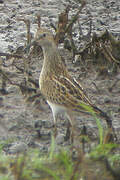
20	69
53	26
22	87
27	22
96	87
10	55
107	52
80	28
39	20
74	19
113	85
77	165
32	98
90	30
5	76
36	84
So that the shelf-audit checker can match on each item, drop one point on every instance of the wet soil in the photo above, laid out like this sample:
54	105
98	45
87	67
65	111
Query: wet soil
17	118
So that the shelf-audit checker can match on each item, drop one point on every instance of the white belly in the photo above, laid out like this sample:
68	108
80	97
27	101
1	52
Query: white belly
56	109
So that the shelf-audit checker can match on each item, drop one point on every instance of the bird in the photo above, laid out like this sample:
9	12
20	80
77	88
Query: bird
62	92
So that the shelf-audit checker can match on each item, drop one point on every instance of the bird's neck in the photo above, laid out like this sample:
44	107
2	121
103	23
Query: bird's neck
51	54
52	60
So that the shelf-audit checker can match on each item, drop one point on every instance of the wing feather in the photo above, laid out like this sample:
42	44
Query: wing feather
71	92
68	92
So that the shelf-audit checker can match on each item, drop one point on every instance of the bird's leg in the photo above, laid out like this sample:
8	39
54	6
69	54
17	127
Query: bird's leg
68	132
71	128
55	125
83	134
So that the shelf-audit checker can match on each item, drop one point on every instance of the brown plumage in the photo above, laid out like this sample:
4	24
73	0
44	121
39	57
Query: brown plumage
62	92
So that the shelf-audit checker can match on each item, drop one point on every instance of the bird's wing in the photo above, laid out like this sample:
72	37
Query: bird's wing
71	93
68	92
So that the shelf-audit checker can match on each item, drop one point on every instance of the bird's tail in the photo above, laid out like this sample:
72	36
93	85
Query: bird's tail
108	120
104	115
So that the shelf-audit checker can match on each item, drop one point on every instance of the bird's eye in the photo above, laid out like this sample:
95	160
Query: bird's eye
44	35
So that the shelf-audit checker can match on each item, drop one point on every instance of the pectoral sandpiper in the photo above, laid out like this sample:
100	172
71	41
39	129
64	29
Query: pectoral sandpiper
62	92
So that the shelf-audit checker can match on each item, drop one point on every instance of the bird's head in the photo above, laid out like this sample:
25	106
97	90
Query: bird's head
44	37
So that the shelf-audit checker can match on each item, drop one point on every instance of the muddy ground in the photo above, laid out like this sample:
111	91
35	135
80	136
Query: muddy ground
17	118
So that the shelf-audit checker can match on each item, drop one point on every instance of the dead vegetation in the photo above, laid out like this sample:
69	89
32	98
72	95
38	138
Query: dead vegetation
102	51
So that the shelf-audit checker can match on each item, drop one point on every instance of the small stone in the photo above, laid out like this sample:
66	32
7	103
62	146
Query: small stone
17	148
107	100
11	48
38	124
12	128
60	139
33	144
47	124
3	91
1	102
